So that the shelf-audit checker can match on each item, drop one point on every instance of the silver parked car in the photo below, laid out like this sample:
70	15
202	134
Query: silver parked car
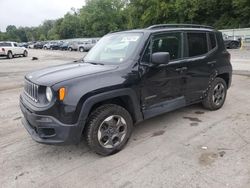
74	46
87	45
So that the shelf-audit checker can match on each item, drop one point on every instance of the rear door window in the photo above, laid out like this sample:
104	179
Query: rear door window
197	44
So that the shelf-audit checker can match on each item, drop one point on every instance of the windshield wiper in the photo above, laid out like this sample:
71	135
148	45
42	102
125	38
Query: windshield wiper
79	60
94	63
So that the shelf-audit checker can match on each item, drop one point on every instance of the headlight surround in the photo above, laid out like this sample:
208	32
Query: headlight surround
49	94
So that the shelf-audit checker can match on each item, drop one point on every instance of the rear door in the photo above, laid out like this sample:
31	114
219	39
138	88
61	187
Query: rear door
19	49
16	49
201	59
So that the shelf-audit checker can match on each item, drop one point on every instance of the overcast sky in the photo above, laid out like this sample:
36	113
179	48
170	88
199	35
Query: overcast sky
33	12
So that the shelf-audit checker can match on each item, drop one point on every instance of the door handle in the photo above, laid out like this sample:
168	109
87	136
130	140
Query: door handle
181	69
211	62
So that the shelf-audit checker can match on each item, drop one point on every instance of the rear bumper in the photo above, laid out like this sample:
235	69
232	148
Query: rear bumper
48	130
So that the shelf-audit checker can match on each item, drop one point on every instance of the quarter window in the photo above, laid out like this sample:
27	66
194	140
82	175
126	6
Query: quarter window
5	44
197	44
212	40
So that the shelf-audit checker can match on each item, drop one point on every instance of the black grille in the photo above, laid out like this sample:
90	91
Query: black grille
31	90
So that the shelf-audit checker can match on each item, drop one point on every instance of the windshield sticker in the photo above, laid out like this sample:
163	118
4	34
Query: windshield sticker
130	39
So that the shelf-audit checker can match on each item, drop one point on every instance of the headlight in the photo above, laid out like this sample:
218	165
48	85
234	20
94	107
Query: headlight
49	94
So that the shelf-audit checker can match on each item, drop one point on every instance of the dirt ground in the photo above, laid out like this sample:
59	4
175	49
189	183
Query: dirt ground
190	147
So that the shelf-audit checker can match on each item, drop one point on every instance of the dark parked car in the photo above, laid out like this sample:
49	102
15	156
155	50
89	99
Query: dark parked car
231	43
24	44
39	45
64	46
55	46
52	46
127	77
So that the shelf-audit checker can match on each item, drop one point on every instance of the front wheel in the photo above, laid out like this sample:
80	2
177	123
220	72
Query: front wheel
216	95
9	55
109	127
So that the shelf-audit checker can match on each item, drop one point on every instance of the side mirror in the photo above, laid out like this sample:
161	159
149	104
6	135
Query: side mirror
160	58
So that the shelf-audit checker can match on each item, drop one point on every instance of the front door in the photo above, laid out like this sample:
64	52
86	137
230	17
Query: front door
162	85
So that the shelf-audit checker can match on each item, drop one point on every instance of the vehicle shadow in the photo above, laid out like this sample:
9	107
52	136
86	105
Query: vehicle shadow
155	126
3	58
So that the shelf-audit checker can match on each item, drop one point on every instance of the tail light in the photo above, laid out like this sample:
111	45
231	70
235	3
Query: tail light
226	55
229	56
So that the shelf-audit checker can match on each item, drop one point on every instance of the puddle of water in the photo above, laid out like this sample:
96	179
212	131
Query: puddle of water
158	133
193	119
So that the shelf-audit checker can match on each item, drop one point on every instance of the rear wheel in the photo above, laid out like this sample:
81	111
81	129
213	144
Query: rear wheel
9	55
216	95
108	129
234	45
25	53
81	49
70	49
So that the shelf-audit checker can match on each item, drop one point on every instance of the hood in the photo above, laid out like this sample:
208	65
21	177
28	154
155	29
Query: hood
52	75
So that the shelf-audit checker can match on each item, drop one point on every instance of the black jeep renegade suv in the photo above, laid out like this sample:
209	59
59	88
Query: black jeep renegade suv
126	78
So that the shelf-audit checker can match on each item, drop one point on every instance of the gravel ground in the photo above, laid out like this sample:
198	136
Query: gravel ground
190	147
240	60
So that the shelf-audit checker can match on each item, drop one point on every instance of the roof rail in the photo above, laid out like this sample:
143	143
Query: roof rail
179	25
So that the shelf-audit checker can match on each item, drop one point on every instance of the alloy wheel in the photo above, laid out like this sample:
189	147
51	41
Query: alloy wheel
218	94
112	131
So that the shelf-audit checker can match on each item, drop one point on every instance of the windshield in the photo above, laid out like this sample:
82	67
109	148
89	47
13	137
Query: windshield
114	48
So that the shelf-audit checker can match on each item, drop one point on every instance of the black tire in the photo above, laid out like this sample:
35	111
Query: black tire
9	55
234	45
81	49
95	122
70	49
25	53
214	100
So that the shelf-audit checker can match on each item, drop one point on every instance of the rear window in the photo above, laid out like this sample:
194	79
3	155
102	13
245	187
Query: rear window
5	44
197	44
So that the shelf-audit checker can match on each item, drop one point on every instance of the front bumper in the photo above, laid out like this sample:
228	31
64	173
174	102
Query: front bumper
2	54
48	130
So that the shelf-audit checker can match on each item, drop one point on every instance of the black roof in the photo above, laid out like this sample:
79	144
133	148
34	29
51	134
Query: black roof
160	26
173	27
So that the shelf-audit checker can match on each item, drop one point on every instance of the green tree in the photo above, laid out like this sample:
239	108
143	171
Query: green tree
42	37
99	17
242	10
69	26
